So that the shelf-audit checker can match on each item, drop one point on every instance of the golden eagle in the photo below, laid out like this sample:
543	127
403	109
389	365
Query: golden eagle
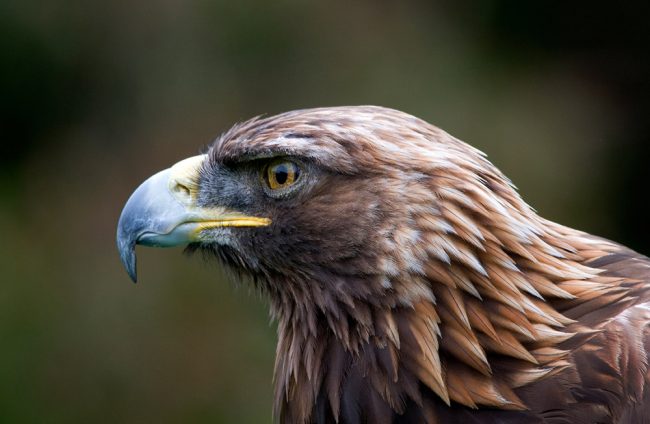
409	280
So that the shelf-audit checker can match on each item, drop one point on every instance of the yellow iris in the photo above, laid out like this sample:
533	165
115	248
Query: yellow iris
282	174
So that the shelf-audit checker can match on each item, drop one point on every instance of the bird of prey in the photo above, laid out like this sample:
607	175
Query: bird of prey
409	280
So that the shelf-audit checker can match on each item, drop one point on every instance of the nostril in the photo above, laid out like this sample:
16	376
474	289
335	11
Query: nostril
181	189
183	179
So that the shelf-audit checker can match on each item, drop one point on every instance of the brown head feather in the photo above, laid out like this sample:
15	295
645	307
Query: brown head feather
412	276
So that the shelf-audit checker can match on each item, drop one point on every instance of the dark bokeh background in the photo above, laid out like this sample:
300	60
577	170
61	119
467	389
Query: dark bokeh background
96	96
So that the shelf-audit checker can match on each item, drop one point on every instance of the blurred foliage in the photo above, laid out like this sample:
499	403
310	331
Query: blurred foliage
96	96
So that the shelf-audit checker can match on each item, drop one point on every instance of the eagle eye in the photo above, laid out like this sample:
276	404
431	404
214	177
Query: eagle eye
281	174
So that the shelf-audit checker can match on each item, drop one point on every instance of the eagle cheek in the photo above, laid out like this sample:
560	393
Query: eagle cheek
328	232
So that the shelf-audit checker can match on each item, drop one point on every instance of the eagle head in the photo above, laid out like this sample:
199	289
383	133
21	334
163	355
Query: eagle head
318	194
405	272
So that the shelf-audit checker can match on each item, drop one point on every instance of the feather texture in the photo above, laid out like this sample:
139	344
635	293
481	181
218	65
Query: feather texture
415	285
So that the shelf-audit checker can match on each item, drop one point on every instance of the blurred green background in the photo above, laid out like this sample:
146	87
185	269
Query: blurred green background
96	96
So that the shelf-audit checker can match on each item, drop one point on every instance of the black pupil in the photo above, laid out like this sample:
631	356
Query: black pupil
281	173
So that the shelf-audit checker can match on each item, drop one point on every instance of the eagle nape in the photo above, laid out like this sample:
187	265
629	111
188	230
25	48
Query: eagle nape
409	280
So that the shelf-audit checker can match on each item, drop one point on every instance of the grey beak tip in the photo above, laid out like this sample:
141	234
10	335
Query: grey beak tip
151	209
126	247
130	269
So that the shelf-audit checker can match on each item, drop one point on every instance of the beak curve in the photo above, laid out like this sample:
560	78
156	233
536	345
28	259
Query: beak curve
162	212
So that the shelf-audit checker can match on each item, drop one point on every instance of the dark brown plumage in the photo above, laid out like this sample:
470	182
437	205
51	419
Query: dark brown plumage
411	283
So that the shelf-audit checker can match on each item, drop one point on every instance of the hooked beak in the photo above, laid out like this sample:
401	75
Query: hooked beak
162	212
